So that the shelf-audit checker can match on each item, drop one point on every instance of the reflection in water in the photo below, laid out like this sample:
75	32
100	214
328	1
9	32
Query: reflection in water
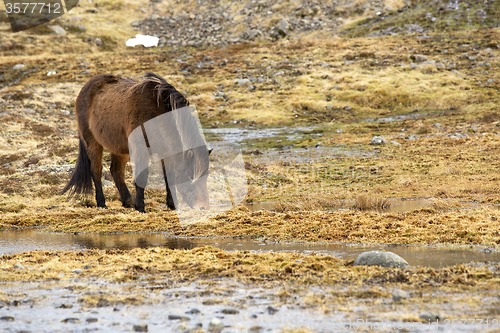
30	240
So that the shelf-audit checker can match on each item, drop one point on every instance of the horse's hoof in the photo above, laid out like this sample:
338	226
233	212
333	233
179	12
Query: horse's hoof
171	207
105	207
140	210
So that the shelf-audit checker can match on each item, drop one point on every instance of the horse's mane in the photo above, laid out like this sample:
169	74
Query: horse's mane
163	90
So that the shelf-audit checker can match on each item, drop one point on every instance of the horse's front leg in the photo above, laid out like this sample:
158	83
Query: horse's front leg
170	197
139	191
170	189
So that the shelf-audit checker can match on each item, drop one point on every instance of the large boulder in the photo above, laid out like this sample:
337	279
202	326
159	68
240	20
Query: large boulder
380	258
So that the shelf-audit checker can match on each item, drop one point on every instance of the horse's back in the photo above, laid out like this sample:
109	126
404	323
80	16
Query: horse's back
101	111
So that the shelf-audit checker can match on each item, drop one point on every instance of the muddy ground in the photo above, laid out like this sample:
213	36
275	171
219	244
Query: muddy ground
314	99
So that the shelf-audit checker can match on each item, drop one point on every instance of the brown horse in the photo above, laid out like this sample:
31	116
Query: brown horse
108	109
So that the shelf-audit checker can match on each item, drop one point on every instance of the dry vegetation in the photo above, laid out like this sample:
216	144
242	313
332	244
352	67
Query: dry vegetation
332	83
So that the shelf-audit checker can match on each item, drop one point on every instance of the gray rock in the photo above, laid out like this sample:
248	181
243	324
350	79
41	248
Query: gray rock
339	131
18	67
3	114
329	107
91	320
411	137
230	311
52	72
431	317
378	140
420	58
177	317
19	266
71	320
193	311
398	295
215	326
280	73
57	29
135	24
413	65
440	65
28	111
251	87
380	258
155	17
82	28
7	318
395	143
438	125
140	328
98	42
182	328
242	82
77	271
283	27
348	108
107	183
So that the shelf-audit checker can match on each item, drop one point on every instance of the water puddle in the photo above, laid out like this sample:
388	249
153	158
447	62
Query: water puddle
29	240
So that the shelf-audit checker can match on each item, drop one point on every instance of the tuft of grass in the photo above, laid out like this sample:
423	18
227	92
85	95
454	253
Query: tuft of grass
364	202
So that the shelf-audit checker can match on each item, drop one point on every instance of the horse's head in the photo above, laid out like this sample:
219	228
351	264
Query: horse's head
193	170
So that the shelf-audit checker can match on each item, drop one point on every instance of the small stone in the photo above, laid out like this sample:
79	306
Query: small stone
19	266
140	328
398	295
420	58
65	306
155	17
57	29
395	143
29	111
329	107
378	140
107	183
177	317
91	320
251	87
348	108
280	73
85	73
413	65
271	310
98	42
52	72
87	267
7	318
430	317
380	258
18	67
438	125
182	328
215	326
440	65
230	311
283	27
77	271
242	82
71	321
256	329
193	311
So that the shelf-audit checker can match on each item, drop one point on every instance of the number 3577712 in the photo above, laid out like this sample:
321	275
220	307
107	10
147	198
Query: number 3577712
31	8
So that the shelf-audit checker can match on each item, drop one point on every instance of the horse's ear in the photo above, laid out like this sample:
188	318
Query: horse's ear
189	154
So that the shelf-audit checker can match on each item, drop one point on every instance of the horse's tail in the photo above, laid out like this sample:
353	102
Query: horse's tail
81	178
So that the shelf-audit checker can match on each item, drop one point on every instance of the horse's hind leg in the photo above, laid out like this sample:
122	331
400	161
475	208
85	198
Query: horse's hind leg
94	151
118	163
